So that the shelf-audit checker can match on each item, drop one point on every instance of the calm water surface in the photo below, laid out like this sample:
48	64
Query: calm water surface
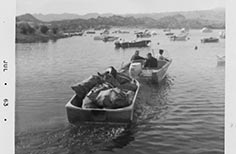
183	115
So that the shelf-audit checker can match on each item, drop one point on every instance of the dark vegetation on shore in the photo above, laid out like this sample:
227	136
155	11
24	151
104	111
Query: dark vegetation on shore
29	29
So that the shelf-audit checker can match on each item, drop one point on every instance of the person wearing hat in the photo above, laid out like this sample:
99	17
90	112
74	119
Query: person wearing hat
151	62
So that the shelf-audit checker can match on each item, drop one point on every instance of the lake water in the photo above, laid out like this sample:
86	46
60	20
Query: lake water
182	115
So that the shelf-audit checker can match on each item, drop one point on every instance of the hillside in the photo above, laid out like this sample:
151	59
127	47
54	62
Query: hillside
30	29
175	21
27	18
214	14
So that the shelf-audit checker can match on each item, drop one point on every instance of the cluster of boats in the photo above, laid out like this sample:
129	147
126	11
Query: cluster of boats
133	73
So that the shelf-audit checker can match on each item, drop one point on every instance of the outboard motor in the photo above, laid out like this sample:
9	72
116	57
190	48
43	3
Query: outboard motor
135	69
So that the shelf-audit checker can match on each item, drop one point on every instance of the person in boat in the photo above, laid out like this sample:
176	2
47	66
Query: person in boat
136	56
161	57
150	62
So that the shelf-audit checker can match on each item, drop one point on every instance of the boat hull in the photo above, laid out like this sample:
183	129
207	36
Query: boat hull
75	113
143	43
210	40
156	75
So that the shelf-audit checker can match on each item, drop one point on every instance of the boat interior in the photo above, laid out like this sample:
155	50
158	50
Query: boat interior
160	63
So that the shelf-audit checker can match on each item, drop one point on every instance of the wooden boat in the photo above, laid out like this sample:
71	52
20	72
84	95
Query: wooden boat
142	43
75	113
210	40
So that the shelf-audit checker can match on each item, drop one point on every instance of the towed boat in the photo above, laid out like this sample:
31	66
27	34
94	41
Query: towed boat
210	40
142	43
76	112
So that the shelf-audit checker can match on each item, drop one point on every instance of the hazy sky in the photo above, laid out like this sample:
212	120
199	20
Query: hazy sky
113	6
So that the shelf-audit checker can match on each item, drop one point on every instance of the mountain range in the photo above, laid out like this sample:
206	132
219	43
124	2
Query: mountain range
217	14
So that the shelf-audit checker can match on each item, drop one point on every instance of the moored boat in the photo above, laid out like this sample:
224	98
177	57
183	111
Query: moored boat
78	113
109	38
101	37
167	30
222	34
181	37
220	60
169	33
206	30
142	43
210	40
90	32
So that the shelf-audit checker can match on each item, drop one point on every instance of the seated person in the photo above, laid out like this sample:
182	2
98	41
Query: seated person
151	62
161	57
136	56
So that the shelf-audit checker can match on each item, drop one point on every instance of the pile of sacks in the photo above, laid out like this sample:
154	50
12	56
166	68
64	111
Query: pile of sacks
109	90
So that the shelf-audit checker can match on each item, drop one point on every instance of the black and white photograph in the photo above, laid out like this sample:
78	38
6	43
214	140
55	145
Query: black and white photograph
120	77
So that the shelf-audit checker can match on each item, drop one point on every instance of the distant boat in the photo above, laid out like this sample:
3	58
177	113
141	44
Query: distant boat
210	40
98	37
184	30
90	32
105	32
154	33
206	30
120	32
169	33
222	34
109	38
181	37
145	34
167	30
142	43
220	60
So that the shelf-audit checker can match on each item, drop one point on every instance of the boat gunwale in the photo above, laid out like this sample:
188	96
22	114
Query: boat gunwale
70	105
158	70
